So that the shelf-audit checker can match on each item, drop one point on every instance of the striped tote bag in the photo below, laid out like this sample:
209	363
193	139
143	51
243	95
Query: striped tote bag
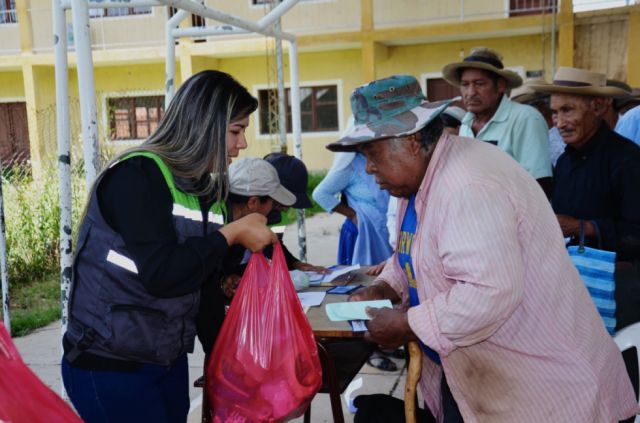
597	267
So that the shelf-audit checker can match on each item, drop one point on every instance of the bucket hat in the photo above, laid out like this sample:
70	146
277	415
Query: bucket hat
579	82
481	58
387	108
251	176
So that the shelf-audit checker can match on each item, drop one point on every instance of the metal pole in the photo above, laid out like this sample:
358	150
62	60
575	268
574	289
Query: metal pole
297	139
282	107
277	12
87	89
3	265
108	4
202	31
554	28
207	12
64	155
170	63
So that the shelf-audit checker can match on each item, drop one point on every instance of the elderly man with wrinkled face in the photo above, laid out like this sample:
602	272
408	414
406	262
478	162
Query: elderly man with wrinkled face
480	276
597	183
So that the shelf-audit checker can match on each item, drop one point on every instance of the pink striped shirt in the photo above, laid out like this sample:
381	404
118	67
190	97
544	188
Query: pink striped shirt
500	300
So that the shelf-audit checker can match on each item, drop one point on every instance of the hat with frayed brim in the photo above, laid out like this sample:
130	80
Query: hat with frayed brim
576	81
387	108
481	58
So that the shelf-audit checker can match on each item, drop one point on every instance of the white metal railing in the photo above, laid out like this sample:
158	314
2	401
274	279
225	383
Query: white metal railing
148	30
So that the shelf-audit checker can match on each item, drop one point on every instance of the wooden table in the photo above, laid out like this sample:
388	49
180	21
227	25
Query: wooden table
342	352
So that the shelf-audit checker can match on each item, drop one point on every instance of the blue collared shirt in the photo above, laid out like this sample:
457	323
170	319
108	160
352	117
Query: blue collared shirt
629	125
518	130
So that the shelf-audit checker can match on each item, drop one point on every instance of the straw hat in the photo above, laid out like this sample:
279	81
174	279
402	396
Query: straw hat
481	58
525	94
579	82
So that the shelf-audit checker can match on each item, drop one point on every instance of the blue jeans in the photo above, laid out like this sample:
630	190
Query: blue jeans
153	393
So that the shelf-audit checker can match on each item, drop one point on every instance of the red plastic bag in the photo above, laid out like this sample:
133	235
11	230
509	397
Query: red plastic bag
23	397
265	365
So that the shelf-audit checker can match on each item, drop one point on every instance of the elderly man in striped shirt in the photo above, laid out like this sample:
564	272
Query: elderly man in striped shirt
481	276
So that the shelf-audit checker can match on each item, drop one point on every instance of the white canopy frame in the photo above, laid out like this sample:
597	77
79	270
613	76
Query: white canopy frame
86	85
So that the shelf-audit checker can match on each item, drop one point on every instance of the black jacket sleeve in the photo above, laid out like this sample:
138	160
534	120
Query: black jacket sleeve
136	202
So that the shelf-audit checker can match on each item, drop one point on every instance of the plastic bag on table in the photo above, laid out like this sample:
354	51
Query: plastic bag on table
23	397
264	366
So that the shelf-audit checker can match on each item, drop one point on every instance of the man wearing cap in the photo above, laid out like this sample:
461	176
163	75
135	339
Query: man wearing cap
517	129
254	187
480	275
294	177
597	180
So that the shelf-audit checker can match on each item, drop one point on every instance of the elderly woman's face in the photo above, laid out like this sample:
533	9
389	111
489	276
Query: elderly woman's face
398	164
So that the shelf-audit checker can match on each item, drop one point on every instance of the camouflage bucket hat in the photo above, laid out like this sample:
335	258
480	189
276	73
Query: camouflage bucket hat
387	108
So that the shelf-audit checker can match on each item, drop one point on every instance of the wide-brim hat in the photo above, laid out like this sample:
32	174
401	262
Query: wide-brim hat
579	82
387	108
524	94
632	98
481	58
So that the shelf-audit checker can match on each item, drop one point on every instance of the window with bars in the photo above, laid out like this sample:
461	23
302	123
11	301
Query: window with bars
7	11
118	12
134	118
318	108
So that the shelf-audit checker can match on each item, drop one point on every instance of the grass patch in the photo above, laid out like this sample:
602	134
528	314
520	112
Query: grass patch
35	304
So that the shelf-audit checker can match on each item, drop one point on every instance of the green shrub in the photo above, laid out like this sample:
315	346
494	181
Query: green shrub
32	216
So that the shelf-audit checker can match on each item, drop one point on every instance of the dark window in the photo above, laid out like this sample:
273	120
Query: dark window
118	11
439	89
8	11
318	109
14	134
134	118
531	7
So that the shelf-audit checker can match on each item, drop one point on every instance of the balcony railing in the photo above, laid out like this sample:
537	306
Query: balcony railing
139	28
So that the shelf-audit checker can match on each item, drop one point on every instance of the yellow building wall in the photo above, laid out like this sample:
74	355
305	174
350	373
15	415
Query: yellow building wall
393	12
9	38
339	67
12	85
316	16
525	51
42	25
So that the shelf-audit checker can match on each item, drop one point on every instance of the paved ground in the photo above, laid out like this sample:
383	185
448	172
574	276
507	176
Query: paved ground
41	349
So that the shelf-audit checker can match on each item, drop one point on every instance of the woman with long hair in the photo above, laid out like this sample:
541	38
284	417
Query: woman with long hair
151	238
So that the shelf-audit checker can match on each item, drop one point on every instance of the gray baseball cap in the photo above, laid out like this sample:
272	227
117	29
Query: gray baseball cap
250	176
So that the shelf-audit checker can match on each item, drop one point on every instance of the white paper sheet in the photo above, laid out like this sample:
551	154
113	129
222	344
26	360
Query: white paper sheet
310	299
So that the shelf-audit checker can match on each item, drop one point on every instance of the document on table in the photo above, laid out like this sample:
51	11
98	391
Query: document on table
310	299
353	310
316	278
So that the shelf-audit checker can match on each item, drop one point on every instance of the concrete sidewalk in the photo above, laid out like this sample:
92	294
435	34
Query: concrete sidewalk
41	349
